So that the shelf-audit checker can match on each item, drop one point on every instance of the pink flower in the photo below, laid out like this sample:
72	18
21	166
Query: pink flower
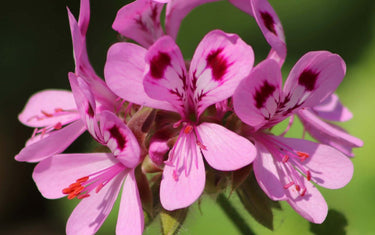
317	121
96	178
218	65
140	21
284	167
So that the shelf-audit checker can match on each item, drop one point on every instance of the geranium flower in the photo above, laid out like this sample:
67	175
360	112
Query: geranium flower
285	167
218	65
96	178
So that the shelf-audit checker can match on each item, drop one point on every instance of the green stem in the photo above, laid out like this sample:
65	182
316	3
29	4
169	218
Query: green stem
233	215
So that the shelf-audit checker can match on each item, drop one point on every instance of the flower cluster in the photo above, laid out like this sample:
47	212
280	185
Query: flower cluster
166	123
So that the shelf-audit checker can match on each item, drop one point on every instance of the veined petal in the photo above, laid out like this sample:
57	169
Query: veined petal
130	219
120	139
270	25
311	206
49	107
332	109
54	174
268	175
176	12
224	150
219	63
256	99
314	77
329	167
329	134
140	21
86	105
56	142
124	72
166	74
92	211
184	176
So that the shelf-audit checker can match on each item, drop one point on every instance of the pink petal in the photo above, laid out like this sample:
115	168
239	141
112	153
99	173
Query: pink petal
268	175
314	77
270	25
165	78
49	107
120	139
220	62
86	105
54	174
130	219
140	21
184	176
124	72
176	12
329	134
243	5
332	109
311	206
84	16
224	150
329	167
92	211
56	142
256	99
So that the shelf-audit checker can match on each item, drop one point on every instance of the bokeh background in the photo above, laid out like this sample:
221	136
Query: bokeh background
36	54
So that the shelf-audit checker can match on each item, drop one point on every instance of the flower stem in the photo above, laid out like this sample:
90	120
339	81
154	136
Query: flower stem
233	215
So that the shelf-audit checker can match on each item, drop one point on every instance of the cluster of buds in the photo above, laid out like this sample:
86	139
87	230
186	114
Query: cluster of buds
172	129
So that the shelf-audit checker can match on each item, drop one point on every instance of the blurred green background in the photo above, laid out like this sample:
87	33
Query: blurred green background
36	54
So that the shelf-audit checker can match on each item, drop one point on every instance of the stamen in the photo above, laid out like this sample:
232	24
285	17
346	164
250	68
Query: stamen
303	192
285	158
303	156
46	114
57	126
188	129
288	185
308	175
201	146
298	188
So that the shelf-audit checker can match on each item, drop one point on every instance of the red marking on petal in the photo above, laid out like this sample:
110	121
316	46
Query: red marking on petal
285	158
120	139
58	110
99	187
175	175
90	111
308	79
46	114
218	64
261	95
158	64
268	22
57	126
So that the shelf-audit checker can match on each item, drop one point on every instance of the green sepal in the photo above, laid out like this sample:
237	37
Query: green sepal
171	221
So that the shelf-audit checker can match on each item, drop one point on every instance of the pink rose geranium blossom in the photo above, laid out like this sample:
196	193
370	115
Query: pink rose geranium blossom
158	78
286	167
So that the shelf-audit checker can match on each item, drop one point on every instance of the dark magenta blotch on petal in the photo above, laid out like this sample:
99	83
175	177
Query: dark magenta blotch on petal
90	110
268	22
308	79
158	64
120	139
217	63
263	93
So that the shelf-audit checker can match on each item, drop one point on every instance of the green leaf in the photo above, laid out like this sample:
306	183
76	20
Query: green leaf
335	223
171	221
256	202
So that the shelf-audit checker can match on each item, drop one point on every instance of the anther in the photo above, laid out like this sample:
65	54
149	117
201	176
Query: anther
57	126
285	158
308	175
201	146
303	192
175	175
303	156
99	187
188	129
46	114
298	188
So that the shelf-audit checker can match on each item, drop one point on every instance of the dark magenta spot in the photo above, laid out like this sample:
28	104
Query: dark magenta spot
158	64
120	139
263	93
268	22
218	64
308	79
90	110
